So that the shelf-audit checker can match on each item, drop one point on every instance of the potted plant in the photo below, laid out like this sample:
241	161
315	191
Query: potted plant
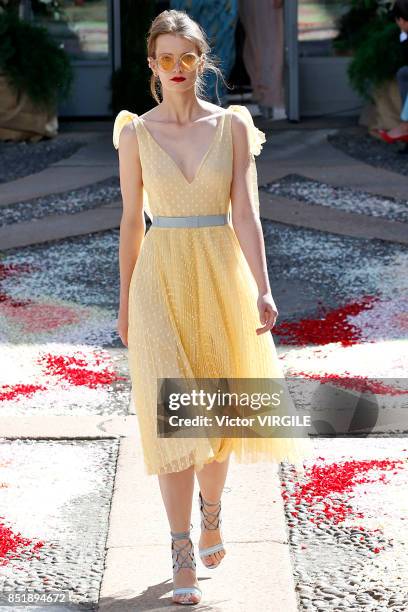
372	37
34	71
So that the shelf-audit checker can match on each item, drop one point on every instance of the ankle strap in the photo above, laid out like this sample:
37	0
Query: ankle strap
181	535
209	503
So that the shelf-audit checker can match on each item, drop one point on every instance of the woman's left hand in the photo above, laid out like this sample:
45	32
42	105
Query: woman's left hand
268	312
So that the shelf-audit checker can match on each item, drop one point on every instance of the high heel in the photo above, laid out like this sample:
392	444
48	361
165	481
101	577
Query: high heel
183	556
210	520
390	139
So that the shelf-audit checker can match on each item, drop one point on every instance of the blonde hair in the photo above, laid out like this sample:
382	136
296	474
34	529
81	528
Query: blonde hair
181	24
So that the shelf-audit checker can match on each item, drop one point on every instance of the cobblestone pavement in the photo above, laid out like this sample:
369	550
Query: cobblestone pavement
58	321
347	303
371	150
298	187
67	203
346	523
19	159
343	301
343	311
55	514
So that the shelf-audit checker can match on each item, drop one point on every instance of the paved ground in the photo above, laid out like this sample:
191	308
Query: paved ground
95	523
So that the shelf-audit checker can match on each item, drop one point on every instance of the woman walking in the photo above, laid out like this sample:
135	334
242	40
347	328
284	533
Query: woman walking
195	288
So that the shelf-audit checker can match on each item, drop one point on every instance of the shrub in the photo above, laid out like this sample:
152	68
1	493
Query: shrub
371	34
32	62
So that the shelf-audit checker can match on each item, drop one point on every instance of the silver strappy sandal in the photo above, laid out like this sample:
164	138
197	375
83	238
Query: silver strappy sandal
183	556
210	520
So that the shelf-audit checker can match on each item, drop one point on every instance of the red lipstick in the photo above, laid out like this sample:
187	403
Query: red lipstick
178	79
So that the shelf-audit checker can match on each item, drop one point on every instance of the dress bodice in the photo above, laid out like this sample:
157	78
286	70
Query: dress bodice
168	192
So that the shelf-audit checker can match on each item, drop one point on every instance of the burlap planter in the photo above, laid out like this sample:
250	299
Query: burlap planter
385	112
20	119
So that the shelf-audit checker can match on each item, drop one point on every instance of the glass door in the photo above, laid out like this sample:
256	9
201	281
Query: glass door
316	75
317	26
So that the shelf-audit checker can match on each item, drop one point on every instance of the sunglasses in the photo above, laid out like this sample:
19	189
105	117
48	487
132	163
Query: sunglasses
167	61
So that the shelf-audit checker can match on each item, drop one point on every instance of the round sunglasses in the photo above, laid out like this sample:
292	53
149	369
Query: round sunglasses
167	61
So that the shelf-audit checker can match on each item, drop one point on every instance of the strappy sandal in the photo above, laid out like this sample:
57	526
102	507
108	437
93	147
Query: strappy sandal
183	557
210	520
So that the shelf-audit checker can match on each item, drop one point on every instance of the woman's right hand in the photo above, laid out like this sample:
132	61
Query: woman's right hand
122	326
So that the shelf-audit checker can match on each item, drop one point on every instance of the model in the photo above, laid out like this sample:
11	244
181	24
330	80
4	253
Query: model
195	298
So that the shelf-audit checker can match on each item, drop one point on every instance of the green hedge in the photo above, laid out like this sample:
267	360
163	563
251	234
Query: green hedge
32	62
377	58
368	31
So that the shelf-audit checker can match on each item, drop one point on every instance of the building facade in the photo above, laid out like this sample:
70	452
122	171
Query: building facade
315	78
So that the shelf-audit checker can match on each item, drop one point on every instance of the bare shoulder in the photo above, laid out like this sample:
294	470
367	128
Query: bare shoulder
239	130
214	109
238	123
129	130
128	140
153	114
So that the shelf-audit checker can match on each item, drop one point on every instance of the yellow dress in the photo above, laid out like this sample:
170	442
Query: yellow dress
193	300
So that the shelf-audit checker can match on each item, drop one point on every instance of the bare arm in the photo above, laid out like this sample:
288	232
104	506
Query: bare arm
246	223
132	225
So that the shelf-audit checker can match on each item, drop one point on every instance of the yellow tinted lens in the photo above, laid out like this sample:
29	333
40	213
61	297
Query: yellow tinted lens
189	61
166	62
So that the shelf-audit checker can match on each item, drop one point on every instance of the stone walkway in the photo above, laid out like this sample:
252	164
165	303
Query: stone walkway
290	151
137	568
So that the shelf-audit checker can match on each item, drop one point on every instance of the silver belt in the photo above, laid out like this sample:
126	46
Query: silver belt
190	221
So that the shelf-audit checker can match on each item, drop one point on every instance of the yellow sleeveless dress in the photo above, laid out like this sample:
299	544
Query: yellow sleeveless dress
193	300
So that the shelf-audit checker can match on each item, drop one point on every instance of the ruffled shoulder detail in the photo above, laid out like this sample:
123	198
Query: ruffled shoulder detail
256	136
123	117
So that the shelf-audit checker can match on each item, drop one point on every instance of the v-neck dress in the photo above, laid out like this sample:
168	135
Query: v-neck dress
193	301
